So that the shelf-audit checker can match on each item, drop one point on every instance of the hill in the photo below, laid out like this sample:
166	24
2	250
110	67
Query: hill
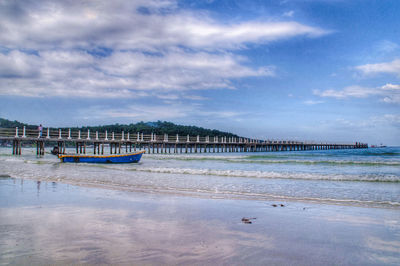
159	128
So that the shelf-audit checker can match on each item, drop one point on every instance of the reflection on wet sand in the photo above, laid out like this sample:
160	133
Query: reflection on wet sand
63	224
89	235
386	251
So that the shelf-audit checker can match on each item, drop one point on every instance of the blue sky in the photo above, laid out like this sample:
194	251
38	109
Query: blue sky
299	70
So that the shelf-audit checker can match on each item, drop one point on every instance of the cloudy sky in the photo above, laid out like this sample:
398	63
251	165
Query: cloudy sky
326	70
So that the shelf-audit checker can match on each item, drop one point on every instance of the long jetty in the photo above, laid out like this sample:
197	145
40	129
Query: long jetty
102	142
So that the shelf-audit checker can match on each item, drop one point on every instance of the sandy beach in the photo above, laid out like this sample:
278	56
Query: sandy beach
54	223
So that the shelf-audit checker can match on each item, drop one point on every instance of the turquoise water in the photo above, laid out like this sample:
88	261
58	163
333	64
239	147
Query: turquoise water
369	177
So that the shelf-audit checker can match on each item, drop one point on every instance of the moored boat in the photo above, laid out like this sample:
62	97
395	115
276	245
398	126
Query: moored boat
112	158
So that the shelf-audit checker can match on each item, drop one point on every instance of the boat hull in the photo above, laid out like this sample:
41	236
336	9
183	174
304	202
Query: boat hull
117	158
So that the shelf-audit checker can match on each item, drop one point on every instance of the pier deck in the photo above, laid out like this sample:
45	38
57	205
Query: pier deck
104	142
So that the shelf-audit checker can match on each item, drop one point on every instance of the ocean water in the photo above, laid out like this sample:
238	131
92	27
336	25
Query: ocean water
364	177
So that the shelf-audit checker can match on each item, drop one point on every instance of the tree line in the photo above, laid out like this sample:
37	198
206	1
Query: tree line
159	128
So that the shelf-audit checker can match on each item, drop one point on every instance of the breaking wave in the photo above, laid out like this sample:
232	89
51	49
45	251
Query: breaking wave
275	175
276	160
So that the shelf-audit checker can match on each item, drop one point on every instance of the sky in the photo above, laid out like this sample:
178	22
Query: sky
311	70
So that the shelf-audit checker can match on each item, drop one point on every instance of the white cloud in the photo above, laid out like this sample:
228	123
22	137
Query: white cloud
166	111
103	49
123	74
388	119
195	97
392	67
136	111
389	93
288	13
312	102
390	86
370	122
221	114
392	118
351	91
387	46
119	25
18	64
179	70
394	98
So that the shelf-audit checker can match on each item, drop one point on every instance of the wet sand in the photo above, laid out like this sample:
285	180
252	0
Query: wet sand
54	223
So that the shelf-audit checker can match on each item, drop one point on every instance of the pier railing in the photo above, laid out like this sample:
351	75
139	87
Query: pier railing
52	134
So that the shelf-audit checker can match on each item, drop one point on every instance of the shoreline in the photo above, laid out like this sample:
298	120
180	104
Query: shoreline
50	222
217	196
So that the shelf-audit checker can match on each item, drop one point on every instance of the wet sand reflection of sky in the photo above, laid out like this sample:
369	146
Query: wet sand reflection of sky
50	223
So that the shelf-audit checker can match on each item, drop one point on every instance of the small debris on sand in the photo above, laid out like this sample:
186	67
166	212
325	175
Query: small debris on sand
247	220
282	205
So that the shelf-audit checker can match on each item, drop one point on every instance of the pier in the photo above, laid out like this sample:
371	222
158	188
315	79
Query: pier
114	143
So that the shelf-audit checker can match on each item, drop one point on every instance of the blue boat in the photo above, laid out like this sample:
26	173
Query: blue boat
116	158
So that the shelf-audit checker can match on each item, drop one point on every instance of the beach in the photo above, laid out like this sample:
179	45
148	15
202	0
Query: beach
180	210
52	223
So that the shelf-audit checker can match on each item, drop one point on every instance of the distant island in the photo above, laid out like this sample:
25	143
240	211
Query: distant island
159	128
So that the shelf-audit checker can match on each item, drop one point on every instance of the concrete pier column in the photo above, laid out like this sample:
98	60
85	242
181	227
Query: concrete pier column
88	134
79	134
127	137
97	135
16	132
59	134
69	133
188	138
122	136
138	137
24	131
48	133
106	137
113	136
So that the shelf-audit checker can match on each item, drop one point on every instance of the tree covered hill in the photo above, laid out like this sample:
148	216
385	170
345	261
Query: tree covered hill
159	128
5	123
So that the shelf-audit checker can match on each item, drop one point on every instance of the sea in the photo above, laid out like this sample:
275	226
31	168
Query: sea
361	177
